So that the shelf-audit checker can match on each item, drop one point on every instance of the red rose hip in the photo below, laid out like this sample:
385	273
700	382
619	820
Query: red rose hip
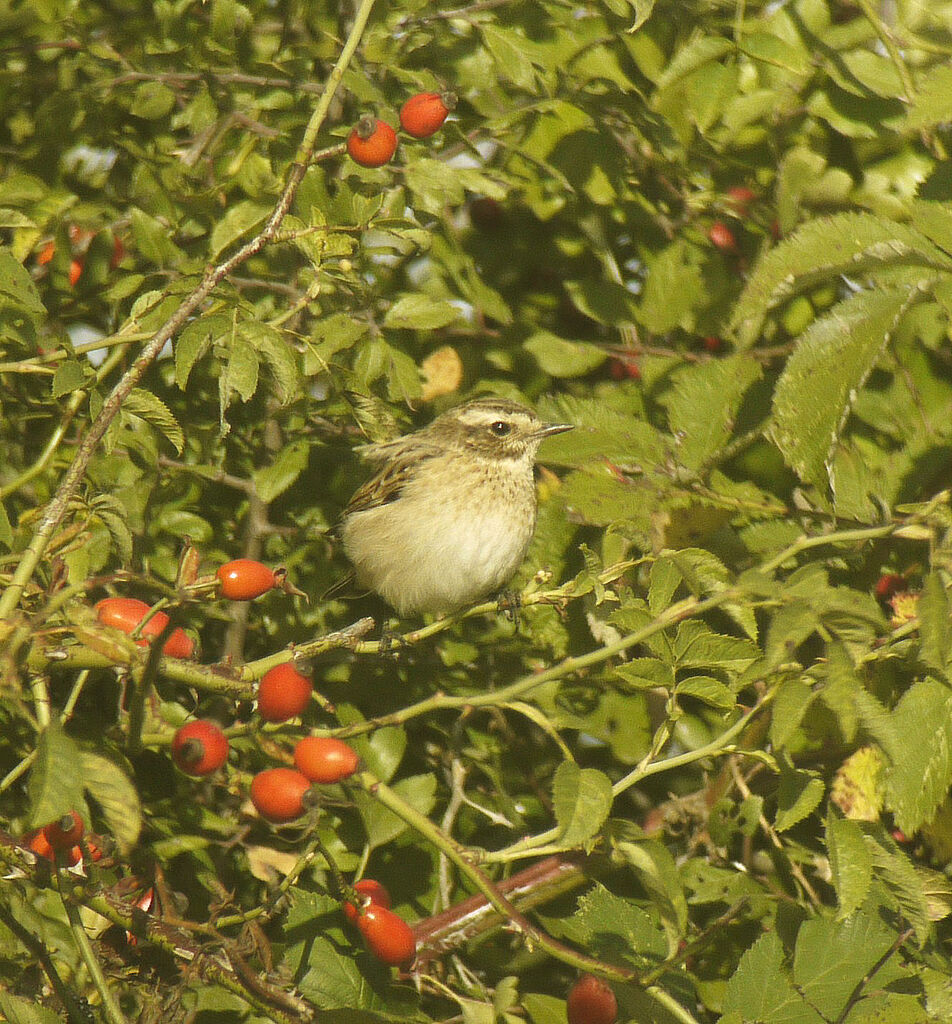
283	693
325	759
387	935
244	579
199	748
372	142
278	794
423	115
591	1001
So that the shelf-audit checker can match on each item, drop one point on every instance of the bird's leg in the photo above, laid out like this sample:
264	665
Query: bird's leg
508	603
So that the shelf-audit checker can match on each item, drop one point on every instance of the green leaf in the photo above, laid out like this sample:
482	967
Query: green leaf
894	869
152	100
117	797
707	690
421	313
237	221
154	411
562	358
274	347
240	374
761	990
69	375
508	50
851	862
848	243
703	405
837	353
6	530
935	629
921	760
17	288
194	341
581	799
798	795
607	921
55	785
272	481
383	825
17	1010
832	958
152	239
930	105
705	574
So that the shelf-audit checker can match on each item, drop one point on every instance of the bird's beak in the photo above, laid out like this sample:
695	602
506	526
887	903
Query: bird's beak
548	429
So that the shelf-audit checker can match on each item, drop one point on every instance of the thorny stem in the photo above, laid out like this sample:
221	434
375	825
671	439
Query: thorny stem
58	505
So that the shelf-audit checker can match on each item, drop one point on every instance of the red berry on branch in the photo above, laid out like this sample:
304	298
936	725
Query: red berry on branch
722	237
387	935
372	142
283	693
325	759
199	748
244	579
278	794
423	115
591	1001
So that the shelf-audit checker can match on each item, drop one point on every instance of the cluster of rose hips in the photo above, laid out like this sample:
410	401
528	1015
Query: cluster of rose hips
280	795
60	839
373	142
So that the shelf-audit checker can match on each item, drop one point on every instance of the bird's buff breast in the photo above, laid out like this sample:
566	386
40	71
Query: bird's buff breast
423	555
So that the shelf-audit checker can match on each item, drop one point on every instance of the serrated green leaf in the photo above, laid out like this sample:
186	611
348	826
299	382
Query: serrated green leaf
705	574
17	287
562	358
508	49
194	341
935	629
17	1010
154	411
273	346
832	958
153	241
851	862
847	243
117	797
237	221
69	375
240	373
798	795
836	353
920	772
930	106
582	800
420	313
55	785
272	481
761	990
707	690
894	869
703	405
604	920
117	525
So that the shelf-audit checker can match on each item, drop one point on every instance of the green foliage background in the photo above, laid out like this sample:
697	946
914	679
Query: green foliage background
707	706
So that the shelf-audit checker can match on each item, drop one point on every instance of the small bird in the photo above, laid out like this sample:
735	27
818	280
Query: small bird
450	512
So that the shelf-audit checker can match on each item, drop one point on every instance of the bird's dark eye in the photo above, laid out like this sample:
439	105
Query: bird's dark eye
500	428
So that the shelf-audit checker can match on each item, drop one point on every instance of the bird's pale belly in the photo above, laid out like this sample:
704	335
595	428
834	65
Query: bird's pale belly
416	568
